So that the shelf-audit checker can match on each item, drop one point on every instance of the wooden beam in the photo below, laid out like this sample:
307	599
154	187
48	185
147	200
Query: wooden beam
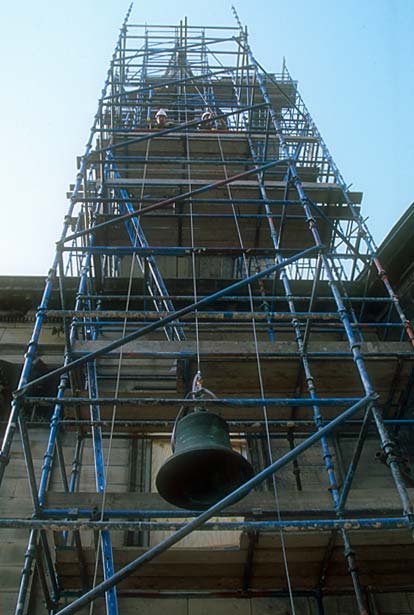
243	350
254	505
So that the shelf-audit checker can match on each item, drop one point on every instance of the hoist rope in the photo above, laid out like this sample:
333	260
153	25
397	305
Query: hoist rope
193	256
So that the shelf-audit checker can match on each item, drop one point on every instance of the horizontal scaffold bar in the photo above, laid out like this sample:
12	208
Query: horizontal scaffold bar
123	428
212	201
225	401
260	511
246	297
294	525
200	251
227	323
183	160
173	28
178	251
225	316
243	350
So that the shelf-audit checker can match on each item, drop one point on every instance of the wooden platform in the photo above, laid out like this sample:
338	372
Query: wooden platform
384	560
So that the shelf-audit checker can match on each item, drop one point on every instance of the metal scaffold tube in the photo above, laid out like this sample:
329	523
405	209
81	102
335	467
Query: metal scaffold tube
293	525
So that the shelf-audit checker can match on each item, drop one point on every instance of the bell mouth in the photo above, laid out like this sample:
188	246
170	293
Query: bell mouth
195	479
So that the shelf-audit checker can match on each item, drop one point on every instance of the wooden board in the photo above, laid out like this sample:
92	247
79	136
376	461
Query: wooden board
256	505
219	569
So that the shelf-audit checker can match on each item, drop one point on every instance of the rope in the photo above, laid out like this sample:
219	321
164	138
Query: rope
193	258
261	384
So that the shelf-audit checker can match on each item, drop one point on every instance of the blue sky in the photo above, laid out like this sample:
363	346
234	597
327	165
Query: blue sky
353	61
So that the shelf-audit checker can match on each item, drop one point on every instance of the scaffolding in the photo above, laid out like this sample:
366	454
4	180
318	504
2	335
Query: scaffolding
229	247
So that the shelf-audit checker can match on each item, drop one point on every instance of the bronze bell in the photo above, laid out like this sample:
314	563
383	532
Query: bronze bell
203	468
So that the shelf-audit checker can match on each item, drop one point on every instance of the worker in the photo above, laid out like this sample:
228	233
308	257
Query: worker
211	122
207	115
161	120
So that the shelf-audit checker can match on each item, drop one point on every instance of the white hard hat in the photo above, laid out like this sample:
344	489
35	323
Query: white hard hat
161	112
206	115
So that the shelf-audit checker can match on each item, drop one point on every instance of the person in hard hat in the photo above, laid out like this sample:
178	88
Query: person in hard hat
161	120
207	118
211	123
